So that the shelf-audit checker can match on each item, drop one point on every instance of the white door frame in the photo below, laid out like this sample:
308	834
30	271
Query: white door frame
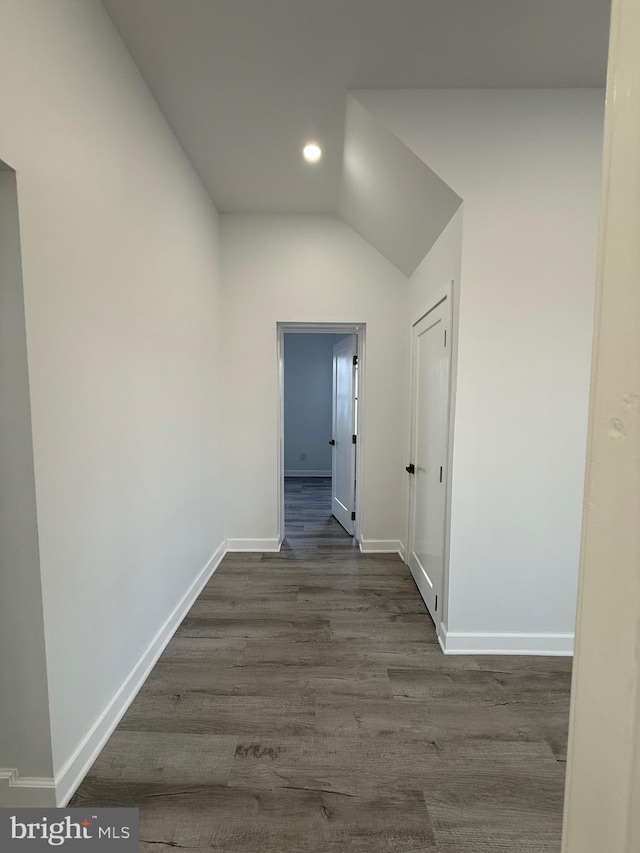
446	291
359	330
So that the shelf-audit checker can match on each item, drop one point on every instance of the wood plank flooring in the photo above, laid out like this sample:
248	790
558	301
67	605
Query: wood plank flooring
304	706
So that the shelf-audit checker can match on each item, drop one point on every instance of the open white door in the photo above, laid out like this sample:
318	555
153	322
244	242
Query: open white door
343	467
429	435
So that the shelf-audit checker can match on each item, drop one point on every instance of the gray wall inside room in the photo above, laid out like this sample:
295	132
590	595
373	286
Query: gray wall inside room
308	381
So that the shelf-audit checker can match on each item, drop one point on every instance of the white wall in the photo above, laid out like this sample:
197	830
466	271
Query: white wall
308	401
527	165
120	285
311	268
440	267
25	739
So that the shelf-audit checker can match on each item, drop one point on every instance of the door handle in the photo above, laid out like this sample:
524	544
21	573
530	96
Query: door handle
410	469
332	441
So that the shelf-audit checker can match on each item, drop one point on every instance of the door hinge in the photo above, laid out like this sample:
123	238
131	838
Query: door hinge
353	439
441	473
436	602
353	516
355	360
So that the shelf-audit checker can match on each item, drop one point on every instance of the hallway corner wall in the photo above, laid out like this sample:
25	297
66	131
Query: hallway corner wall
120	275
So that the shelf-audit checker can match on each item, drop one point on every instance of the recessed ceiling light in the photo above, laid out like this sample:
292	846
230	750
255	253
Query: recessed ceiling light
312	152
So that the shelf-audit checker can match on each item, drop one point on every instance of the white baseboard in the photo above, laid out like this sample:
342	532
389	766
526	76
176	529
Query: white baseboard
77	766
23	792
382	546
460	643
307	473
253	544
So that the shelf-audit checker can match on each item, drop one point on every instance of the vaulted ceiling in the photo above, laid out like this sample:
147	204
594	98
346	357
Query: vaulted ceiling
245	83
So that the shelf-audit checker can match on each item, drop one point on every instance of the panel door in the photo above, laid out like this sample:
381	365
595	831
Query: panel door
343	467
430	407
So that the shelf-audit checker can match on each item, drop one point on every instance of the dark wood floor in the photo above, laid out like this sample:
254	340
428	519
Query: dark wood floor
304	706
307	513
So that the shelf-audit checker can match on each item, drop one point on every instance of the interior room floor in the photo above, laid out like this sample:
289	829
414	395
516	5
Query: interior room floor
304	706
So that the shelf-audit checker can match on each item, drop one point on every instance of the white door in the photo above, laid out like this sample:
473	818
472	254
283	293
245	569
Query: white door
343	467
427	469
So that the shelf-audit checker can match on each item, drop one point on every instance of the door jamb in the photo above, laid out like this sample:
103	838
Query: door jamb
359	330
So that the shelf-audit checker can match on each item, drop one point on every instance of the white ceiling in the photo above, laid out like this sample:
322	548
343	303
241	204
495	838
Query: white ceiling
244	83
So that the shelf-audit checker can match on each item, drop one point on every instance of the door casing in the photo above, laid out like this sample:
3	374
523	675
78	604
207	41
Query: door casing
359	330
439	295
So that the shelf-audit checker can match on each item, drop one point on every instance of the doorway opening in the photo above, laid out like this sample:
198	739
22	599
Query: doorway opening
320	435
